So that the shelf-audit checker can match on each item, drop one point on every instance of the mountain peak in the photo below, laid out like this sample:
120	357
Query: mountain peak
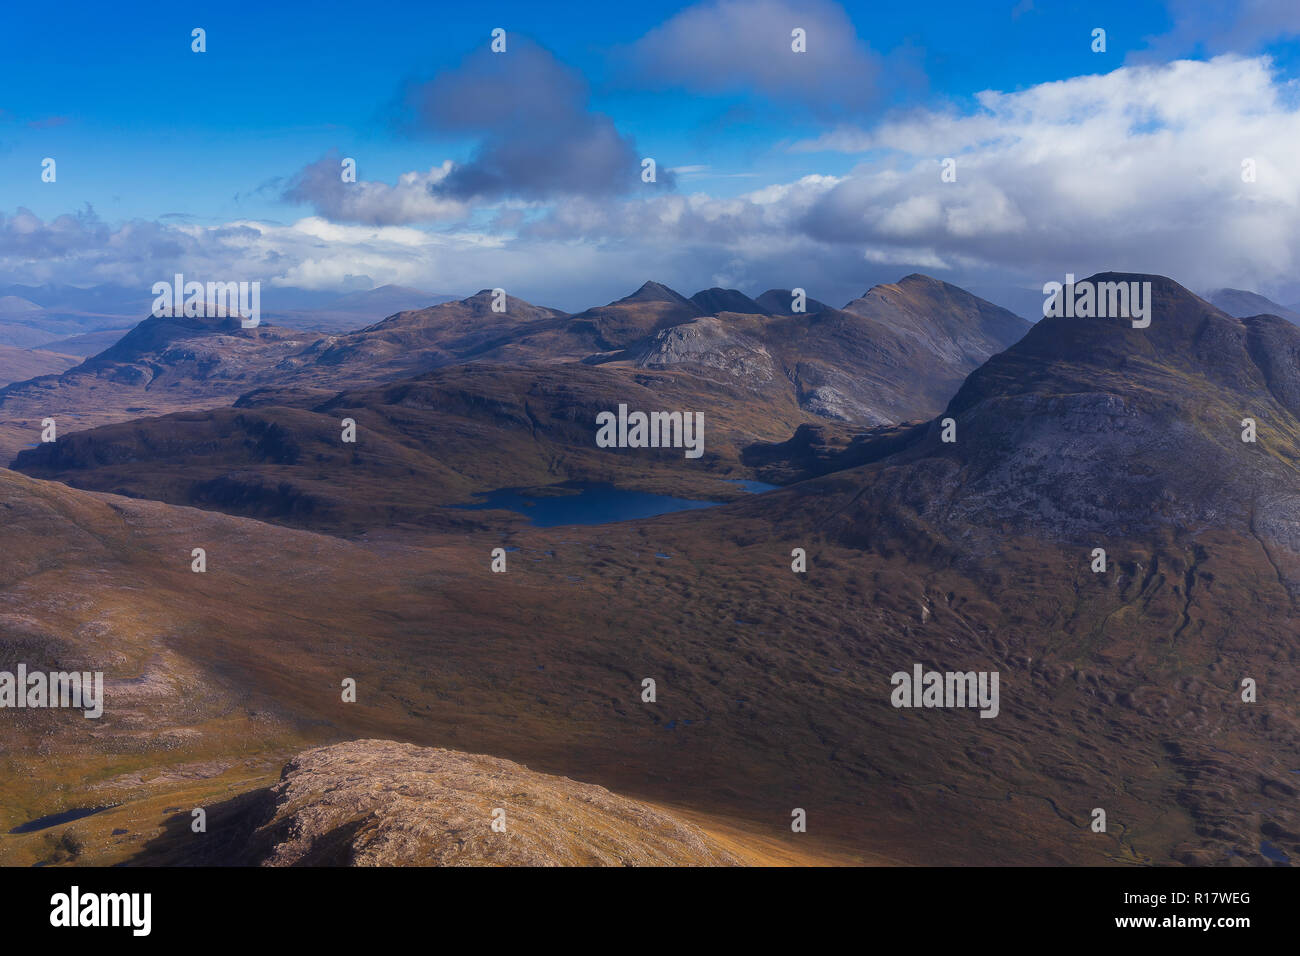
1173	307
716	300
483	299
391	287
1186	337
948	319
920	278
157	331
655	292
916	283
781	301
459	316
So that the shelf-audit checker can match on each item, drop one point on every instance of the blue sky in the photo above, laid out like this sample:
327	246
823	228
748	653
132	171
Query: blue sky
151	128
150	136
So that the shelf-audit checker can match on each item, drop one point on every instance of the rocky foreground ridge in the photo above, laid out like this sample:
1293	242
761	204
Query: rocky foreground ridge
383	803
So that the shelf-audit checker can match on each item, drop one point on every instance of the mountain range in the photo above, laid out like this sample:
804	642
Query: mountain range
871	365
949	474
85	320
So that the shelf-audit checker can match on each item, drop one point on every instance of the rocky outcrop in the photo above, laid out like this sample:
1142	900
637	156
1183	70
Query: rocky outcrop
710	345
381	803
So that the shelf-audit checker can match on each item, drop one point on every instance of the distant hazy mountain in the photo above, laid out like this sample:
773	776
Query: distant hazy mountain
1241	304
22	336
16	305
136	300
1024	302
43	315
17	365
344	313
40	316
387	300
86	344
54	317
102	299
163	364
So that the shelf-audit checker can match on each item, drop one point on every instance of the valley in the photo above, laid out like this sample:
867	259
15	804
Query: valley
330	561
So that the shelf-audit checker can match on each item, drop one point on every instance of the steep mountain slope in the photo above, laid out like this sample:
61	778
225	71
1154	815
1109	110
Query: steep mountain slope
959	328
1090	426
897	353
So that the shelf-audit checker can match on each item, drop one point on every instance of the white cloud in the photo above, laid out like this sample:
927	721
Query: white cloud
412	199
1135	170
1139	169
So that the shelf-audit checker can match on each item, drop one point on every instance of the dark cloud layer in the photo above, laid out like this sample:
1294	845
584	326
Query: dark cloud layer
1223	26
743	46
537	137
